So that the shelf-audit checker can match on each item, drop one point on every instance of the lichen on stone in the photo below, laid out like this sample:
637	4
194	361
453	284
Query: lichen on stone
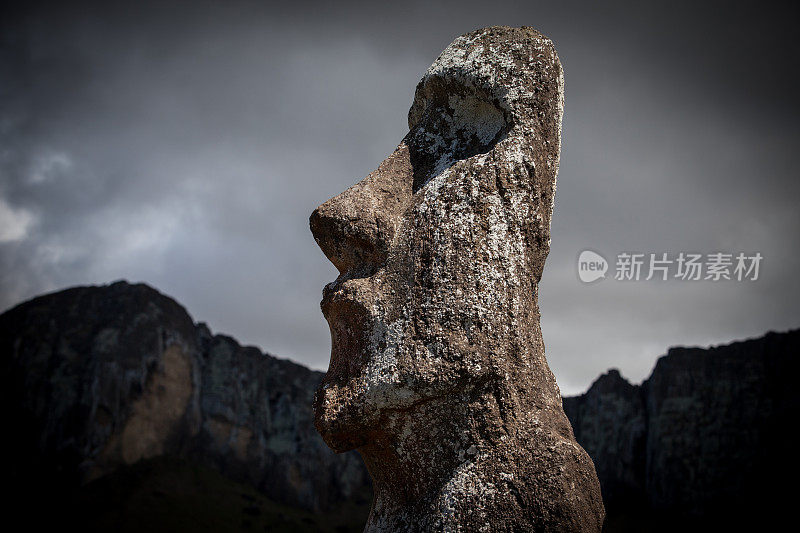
438	375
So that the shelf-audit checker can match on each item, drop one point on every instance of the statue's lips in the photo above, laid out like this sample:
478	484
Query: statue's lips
341	295
330	292
346	305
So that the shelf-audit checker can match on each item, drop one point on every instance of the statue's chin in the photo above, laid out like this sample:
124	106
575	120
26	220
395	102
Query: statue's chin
343	442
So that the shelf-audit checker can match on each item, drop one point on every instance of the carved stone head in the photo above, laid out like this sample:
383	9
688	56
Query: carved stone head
434	318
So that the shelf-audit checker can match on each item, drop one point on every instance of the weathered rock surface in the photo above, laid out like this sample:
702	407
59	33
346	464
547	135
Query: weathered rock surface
705	436
438	374
98	377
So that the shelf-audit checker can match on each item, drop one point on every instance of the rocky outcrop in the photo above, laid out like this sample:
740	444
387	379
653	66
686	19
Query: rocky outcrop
610	423
705	436
98	377
257	425
438	375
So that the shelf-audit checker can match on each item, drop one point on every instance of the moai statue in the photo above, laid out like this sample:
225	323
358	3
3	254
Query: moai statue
438	374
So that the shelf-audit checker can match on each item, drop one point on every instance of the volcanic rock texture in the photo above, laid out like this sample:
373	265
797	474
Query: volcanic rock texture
438	374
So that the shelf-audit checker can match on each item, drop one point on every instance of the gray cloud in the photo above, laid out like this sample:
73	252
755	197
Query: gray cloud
185	145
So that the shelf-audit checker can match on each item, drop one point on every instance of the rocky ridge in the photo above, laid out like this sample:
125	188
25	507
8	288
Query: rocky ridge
704	437
89	375
95	378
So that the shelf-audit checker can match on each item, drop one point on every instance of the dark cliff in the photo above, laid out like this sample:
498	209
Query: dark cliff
98	378
101	384
704	440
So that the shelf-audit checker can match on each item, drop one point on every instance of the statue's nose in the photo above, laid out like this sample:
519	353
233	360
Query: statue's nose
356	228
348	234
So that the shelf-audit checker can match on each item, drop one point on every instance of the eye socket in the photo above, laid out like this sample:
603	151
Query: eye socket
448	124
476	125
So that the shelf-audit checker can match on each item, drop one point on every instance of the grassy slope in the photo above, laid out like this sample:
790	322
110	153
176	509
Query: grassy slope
169	494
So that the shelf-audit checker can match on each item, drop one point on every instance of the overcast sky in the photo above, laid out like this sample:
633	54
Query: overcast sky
185	144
